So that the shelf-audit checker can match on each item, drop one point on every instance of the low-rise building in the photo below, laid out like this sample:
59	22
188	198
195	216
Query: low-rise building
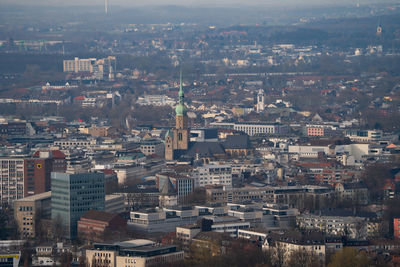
252	234
137	253
9	258
115	204
28	211
181	185
99	225
152	147
186	233
364	136
270	194
261	128
283	245
354	193
339	224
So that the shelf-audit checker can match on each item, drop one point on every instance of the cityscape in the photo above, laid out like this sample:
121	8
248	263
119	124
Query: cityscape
178	134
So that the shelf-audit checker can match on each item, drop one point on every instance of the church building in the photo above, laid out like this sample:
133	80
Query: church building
177	140
206	146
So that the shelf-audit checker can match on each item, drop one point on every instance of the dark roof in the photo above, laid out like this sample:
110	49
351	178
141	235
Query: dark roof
168	188
296	237
237	141
99	216
345	213
205	149
354	185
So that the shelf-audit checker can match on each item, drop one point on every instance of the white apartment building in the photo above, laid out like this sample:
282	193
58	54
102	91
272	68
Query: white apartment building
11	179
258	128
353	227
283	245
79	65
101	68
212	174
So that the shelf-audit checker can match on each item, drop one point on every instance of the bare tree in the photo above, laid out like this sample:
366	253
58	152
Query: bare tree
302	258
58	228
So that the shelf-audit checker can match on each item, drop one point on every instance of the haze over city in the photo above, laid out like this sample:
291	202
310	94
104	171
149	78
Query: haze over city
227	3
200	133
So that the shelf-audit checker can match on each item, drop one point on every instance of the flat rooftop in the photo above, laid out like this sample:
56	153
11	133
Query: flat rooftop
35	197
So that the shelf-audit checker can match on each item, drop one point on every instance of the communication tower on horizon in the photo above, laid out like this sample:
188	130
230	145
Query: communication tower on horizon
106	6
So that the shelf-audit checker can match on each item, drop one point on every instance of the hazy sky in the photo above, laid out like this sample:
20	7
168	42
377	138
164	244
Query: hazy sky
195	2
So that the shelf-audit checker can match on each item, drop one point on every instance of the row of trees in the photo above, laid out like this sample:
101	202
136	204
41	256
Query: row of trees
242	253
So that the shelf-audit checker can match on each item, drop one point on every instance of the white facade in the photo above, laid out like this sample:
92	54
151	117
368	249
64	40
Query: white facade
353	227
73	143
287	248
79	65
156	100
249	234
212	174
256	128
229	227
354	150
308	151
12	179
364	136
260	101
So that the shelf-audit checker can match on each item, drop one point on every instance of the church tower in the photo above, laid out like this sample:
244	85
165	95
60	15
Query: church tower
179	139
181	132
169	148
260	101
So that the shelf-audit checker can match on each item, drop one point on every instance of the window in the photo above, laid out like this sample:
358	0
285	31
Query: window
180	137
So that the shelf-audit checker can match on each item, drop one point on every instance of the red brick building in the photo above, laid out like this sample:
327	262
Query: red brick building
396	228
96	225
58	162
315	131
37	170
37	173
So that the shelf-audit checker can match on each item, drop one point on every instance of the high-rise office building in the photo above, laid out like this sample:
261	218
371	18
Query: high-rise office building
22	177
73	195
12	182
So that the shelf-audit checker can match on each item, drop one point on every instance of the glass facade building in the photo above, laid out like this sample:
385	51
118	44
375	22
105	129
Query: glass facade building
73	195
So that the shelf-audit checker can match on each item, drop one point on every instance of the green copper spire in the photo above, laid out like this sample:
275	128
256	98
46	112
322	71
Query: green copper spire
181	108
181	95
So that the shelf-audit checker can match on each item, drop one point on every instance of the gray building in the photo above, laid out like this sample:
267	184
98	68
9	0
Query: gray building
73	195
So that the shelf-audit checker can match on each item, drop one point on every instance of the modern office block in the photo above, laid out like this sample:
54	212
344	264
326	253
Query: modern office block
73	195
